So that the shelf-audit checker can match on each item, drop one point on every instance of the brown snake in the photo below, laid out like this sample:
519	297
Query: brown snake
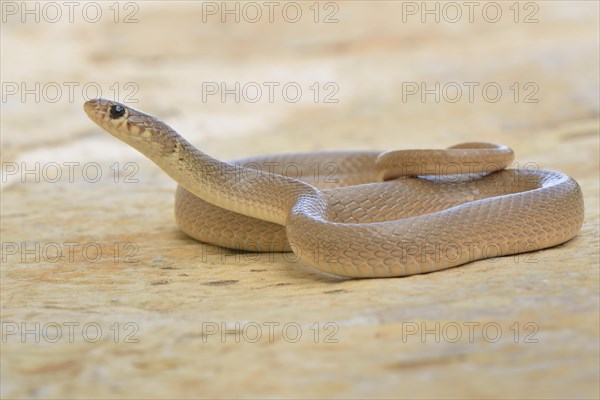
360	214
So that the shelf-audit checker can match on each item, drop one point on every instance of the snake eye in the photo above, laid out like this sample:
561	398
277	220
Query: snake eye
117	111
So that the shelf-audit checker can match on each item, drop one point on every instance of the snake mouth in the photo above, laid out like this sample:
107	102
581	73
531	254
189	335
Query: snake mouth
96	109
104	112
112	116
109	115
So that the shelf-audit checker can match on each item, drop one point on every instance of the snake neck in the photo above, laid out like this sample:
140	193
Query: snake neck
254	193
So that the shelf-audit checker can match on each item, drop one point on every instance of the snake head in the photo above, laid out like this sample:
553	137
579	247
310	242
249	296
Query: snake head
142	131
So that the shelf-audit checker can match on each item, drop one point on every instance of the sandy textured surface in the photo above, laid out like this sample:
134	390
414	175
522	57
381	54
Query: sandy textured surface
103	297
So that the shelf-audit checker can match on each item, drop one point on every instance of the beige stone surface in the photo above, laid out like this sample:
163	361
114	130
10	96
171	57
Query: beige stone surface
103	297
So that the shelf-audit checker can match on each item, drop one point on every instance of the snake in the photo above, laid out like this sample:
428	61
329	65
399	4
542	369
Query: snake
358	214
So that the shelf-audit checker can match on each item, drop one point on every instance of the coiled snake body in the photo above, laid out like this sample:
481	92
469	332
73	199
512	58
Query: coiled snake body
359	214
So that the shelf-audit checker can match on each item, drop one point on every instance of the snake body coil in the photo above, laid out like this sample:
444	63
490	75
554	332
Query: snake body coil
359	214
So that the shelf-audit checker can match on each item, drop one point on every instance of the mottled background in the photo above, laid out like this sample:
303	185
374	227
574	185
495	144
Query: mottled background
103	297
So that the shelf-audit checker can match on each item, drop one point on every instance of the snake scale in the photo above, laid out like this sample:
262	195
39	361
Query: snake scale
360	214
